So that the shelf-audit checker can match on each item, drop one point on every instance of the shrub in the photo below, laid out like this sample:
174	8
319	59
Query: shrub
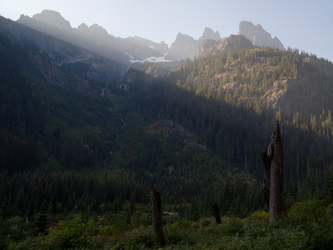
75	233
68	235
311	217
259	216
232	226
137	240
307	211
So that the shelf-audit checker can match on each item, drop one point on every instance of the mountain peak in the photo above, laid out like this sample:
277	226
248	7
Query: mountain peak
209	34
83	27
53	18
97	29
258	36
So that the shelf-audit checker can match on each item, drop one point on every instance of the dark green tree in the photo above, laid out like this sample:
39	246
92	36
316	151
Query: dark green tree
42	223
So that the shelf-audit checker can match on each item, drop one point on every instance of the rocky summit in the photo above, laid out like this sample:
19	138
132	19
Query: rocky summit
258	36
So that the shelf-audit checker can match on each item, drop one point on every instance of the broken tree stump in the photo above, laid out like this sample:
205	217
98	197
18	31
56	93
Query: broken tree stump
160	235
273	162
217	214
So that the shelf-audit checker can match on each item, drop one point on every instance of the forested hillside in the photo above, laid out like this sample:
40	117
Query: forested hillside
270	84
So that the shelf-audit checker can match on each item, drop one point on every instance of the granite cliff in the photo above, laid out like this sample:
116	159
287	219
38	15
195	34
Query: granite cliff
258	36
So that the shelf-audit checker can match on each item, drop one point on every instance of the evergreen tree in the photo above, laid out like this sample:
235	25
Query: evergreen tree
42	223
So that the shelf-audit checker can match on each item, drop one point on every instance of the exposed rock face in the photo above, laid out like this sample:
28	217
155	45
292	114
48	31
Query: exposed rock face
206	47
294	95
258	36
233	42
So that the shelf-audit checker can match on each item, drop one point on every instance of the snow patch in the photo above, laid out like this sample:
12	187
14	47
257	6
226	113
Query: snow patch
129	56
152	47
152	59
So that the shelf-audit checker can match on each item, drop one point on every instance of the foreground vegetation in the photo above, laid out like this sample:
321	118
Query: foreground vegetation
307	226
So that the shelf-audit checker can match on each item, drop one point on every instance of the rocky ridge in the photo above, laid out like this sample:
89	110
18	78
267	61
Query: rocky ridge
136	49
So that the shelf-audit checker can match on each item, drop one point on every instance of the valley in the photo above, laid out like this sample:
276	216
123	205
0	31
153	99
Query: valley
90	123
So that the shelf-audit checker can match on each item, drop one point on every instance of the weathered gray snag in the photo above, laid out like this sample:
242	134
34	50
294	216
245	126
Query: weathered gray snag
217	214
160	236
273	161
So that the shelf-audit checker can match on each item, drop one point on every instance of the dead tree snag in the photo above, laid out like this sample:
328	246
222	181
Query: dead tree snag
273	162
217	214
160	236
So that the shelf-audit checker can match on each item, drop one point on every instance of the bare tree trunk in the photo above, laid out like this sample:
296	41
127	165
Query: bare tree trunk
273	161
266	192
160	236
217	214
298	176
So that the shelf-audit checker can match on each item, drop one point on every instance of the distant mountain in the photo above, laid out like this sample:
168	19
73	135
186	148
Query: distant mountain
95	38
63	54
209	34
123	50
258	36
128	51
52	18
186	46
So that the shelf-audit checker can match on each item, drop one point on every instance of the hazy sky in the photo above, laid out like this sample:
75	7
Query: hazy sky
303	24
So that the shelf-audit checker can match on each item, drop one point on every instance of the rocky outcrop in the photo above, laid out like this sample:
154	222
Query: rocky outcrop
233	42
206	48
291	96
258	36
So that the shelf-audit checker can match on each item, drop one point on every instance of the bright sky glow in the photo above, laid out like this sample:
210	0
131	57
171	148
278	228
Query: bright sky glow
303	24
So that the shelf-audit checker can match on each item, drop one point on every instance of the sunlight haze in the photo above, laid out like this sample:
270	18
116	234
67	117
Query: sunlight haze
306	25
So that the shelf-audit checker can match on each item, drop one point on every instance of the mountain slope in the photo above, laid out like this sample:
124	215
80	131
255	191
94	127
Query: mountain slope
63	54
94	38
275	80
